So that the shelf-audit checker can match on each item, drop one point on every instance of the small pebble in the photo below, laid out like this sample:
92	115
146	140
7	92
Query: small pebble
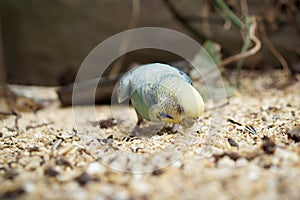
51	172
83	179
107	123
13	194
268	146
294	134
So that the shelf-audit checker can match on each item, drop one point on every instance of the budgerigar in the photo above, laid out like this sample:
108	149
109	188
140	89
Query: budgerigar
160	92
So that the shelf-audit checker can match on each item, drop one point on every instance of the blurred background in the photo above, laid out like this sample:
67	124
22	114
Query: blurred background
44	42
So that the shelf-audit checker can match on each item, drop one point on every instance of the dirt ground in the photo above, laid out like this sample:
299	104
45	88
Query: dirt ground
255	153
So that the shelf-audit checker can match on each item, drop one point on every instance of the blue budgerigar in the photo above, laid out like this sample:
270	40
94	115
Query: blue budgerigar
160	92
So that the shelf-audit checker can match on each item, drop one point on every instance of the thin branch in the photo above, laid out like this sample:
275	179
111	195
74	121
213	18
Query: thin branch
18	116
252	51
273	50
38	125
247	43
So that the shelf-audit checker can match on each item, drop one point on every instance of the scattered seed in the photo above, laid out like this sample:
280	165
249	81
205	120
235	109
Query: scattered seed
250	129
293	113
33	149
56	144
273	109
267	165
157	172
234	122
135	150
64	135
232	142
125	139
102	141
129	138
110	137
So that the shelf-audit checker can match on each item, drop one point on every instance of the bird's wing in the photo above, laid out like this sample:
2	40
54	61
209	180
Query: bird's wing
124	88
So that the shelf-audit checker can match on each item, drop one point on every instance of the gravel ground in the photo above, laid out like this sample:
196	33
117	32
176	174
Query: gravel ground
255	154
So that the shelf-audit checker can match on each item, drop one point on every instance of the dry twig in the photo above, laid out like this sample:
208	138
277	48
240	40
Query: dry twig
38	125
16	114
252	51
271	47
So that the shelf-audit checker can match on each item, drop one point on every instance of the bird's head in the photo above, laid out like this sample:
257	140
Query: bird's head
191	102
186	103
